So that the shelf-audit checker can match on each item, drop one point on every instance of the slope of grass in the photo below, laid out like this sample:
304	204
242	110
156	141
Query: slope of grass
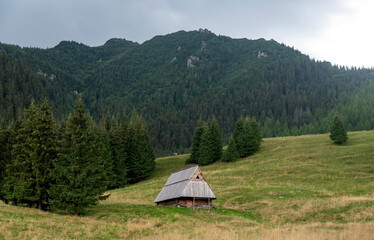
295	187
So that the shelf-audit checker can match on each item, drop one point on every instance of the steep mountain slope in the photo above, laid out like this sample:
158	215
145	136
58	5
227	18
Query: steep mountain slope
174	80
58	72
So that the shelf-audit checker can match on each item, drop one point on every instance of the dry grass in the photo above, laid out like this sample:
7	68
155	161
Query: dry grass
352	231
294	188
27	223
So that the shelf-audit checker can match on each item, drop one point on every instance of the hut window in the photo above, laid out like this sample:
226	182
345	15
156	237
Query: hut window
197	177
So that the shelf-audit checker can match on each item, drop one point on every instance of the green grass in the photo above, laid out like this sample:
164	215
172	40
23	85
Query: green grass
300	185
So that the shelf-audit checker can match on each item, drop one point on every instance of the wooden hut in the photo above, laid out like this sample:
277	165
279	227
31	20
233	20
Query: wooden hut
186	188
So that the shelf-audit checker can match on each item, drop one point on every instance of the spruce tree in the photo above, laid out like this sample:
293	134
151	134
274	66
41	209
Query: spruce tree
11	174
196	141
338	133
118	133
205	149
253	138
106	154
3	163
216	139
247	137
231	154
257	134
21	178
140	161
211	144
28	177
239	137
80	177
44	153
5	156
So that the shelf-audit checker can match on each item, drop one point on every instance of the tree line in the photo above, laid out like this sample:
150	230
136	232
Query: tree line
70	166
207	142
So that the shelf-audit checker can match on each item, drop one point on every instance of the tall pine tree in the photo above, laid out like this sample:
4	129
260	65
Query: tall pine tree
106	153
247	137
210	149
196	141
21	181
44	153
29	175
11	174
216	139
80	177
5	156
140	161
118	133
239	137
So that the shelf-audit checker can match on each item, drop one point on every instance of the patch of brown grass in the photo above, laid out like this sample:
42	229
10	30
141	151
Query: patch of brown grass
315	231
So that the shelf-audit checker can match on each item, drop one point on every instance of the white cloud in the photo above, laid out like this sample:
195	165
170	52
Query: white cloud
347	38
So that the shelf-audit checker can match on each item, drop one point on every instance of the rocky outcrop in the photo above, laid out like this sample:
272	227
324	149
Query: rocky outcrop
261	54
203	46
191	61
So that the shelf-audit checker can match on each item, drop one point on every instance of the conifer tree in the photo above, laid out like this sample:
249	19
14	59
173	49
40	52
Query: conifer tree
44	153
257	133
21	179
247	137
28	177
338	134
254	136
211	144
80	174
118	133
3	163
5	156
196	141
106	154
231	154
239	137
216	139
205	149
11	174
140	161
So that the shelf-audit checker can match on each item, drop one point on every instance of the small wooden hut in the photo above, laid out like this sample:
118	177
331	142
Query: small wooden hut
186	188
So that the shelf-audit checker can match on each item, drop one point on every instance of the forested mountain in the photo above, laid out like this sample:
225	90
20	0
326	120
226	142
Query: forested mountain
174	80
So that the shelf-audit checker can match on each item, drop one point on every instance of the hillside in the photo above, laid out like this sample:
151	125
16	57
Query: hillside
294	187
175	79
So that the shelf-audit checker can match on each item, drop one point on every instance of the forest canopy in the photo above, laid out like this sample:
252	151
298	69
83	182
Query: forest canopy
177	79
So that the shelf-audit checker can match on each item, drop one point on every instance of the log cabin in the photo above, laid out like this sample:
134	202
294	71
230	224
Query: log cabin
186	188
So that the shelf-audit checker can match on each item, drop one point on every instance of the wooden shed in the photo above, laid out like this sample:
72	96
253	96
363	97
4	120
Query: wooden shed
186	188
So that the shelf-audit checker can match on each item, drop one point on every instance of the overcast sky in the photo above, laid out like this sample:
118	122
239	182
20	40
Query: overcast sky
339	31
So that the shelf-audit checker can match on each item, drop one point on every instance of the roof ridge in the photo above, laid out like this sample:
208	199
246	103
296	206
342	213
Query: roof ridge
186	168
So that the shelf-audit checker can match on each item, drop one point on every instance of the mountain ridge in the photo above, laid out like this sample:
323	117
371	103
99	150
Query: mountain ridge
175	79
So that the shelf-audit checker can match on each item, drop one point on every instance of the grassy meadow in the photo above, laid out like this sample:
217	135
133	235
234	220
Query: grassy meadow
294	188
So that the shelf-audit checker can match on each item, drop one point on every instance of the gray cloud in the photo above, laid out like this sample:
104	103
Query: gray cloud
44	23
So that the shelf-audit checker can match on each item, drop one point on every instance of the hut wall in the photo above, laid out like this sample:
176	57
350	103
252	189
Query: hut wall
188	202
199	203
168	203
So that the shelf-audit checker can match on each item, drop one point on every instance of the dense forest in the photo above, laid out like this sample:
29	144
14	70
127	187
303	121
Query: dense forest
70	165
177	79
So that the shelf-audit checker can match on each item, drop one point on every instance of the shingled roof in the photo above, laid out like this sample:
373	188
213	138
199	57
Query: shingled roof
181	184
